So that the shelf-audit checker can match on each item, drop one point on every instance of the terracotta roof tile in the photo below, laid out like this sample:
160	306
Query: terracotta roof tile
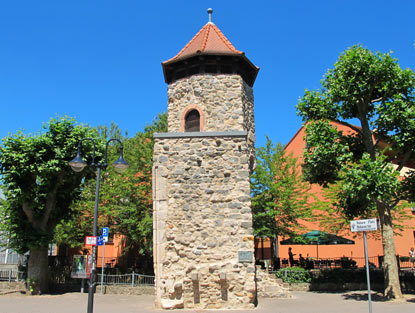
209	40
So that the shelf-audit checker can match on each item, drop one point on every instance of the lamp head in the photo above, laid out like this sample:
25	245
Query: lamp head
120	165
77	164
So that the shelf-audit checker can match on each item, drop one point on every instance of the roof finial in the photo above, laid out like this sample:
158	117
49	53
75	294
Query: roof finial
210	11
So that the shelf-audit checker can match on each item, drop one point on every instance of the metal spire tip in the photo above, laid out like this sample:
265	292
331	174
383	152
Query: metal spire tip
210	11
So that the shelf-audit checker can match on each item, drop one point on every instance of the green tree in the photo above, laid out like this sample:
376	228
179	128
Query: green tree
279	195
371	89
333	219
1	196
125	204
40	188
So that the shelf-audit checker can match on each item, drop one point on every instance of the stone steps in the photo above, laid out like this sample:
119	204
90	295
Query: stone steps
268	286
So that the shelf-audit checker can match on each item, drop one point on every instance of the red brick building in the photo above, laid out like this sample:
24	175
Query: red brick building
403	241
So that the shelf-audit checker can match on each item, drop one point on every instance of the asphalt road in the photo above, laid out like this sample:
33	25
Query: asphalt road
303	302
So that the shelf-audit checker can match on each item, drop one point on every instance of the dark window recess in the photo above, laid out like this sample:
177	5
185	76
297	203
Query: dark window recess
209	68
193	70
226	69
192	121
180	74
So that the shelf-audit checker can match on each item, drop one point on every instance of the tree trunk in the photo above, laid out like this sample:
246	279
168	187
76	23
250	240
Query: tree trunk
38	271
390	266
272	246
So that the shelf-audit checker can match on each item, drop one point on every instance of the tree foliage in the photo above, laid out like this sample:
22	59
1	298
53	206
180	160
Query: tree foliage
125	204
371	89
279	196
40	186
332	218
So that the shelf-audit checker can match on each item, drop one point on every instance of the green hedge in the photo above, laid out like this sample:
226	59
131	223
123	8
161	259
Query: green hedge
343	276
294	275
339	276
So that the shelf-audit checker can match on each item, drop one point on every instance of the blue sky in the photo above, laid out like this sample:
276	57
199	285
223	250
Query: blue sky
100	61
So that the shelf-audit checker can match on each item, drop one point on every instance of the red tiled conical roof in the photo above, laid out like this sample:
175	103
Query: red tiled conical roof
209	51
209	40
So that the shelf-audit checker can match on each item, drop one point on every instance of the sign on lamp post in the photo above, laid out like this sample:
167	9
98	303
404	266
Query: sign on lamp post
78	164
104	236
90	240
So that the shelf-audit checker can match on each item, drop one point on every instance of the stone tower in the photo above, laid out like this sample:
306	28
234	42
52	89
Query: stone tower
203	235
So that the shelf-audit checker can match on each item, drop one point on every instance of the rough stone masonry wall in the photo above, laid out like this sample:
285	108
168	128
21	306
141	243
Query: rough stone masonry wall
226	101
249	122
202	220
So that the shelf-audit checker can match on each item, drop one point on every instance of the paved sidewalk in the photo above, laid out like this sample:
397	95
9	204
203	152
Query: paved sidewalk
303	302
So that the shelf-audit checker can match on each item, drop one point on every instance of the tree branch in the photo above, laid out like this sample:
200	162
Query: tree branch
51	202
29	213
404	160
377	141
366	132
376	100
395	203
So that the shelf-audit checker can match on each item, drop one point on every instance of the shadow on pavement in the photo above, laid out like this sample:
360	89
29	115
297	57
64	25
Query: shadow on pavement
377	297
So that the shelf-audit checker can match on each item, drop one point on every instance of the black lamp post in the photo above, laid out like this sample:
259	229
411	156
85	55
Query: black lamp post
78	164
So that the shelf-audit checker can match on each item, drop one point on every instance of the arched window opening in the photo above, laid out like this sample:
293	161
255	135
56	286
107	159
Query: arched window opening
192	121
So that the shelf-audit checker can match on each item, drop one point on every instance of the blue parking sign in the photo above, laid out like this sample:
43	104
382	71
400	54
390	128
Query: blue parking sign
104	232
100	240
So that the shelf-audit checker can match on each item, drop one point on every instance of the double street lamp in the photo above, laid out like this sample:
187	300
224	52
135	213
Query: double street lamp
78	164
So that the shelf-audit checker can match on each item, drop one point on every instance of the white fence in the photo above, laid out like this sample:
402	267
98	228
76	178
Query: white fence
10	274
9	258
127	279
132	279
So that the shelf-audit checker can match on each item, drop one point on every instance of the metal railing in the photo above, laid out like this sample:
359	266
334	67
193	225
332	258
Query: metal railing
9	258
335	262
132	279
10	275
374	261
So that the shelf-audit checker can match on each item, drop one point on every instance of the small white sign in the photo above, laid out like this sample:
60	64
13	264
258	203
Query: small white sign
90	240
364	225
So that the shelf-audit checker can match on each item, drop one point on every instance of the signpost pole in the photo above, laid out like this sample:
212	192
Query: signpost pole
364	226
367	274
103	263
92	280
